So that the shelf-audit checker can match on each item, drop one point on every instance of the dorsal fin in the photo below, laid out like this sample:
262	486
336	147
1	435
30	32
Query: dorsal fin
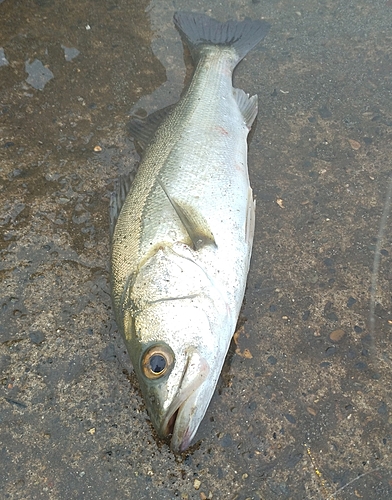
142	129
194	223
117	199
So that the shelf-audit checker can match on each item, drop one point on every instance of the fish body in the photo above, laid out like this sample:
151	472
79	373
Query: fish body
182	240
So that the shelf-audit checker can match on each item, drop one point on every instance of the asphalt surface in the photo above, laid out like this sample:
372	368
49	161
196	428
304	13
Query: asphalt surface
303	407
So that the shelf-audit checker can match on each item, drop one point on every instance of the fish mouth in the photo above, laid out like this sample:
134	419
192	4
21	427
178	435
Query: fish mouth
183	416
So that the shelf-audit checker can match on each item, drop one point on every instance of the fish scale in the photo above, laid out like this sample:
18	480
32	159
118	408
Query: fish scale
183	235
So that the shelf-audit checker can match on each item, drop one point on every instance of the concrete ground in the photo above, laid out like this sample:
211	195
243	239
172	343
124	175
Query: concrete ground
303	407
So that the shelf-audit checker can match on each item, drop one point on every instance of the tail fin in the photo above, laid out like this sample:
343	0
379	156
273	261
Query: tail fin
200	30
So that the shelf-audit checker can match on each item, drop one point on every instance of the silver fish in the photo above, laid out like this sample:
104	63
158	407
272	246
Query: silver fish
182	233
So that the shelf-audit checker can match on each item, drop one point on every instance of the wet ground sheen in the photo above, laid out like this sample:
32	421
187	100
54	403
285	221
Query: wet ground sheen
303	407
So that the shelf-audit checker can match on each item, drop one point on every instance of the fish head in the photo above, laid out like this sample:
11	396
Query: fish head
178	367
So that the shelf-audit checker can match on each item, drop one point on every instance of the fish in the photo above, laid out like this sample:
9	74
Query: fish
182	231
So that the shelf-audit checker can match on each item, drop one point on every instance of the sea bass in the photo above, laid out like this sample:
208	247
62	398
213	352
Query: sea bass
182	233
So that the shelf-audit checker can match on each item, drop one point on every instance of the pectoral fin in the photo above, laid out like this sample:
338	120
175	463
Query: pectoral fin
194	223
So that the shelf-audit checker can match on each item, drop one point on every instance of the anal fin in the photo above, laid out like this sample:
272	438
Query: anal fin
247	105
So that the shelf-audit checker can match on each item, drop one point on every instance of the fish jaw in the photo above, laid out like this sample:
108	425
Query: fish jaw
188	419
188	407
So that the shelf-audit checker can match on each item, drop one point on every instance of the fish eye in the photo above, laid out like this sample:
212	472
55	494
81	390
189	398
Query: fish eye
156	361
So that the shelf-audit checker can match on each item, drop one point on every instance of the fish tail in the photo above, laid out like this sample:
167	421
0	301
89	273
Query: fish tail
200	30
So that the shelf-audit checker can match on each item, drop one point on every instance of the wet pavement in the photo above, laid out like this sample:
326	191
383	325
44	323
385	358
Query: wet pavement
303	407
